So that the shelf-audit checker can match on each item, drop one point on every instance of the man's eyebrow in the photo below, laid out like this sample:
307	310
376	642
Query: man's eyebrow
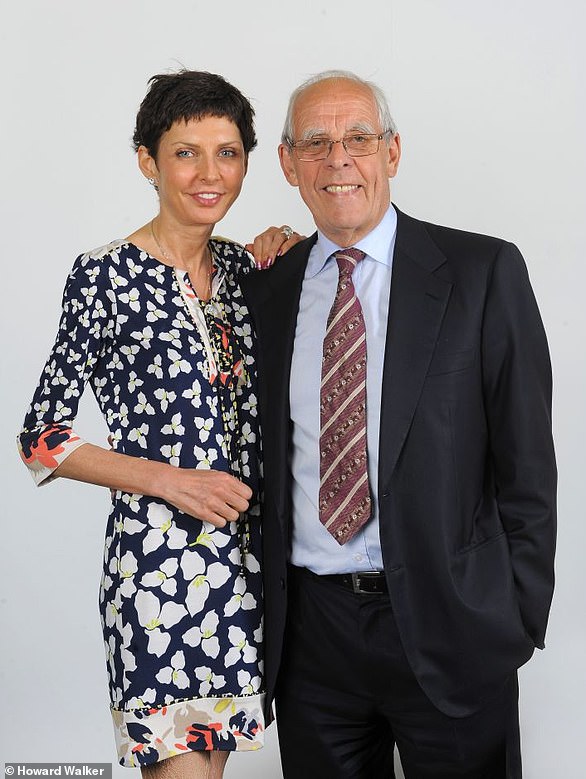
313	132
363	127
318	132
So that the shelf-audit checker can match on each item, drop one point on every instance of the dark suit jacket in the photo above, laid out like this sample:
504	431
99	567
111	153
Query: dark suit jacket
467	474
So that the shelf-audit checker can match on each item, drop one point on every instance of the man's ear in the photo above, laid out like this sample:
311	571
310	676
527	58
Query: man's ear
394	155
287	164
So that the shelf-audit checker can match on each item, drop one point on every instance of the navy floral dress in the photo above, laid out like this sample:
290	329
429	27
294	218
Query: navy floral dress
180	600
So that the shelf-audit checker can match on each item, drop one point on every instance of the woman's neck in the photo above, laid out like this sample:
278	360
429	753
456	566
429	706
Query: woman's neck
186	248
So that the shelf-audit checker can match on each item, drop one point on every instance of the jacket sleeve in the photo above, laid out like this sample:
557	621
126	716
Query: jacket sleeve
517	393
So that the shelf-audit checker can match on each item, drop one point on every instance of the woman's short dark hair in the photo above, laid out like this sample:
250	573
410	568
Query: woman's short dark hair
190	94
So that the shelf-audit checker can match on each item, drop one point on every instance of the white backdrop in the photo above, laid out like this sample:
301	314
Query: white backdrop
488	98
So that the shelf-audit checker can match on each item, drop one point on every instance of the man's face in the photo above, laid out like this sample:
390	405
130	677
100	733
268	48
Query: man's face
348	196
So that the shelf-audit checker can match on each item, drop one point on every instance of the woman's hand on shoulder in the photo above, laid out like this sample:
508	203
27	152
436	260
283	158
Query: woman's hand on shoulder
272	243
212	496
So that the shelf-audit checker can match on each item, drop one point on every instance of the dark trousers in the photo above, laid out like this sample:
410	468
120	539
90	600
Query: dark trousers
346	696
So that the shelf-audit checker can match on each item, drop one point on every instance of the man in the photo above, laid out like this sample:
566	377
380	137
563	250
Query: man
409	521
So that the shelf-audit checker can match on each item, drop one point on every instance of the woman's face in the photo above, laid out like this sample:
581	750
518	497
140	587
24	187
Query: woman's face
200	168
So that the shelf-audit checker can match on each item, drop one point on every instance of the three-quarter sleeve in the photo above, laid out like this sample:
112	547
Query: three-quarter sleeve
85	331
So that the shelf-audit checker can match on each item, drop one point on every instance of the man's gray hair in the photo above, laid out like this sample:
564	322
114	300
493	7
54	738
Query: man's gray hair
386	120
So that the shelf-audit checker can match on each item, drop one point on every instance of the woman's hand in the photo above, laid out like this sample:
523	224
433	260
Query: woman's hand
212	496
272	243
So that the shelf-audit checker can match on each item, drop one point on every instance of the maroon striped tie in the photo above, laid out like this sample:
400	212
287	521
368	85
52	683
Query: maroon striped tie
344	494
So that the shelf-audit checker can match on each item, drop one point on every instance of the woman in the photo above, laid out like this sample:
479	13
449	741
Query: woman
157	324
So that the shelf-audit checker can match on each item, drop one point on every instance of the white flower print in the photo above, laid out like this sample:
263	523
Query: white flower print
204	426
139	434
84	319
201	581
251	563
240	647
155	366
162	529
157	274
59	378
157	293
151	615
123	415
73	356
172	336
130	352
258	633
246	432
41	408
249	684
214	538
209	680
143	406
180	320
131	526
178	364
172	453
250	404
154	313
148	697
117	280
163	577
72	390
144	336
194	346
132	501
134	267
134	382
165	397
205	635
92	273
112	614
205	459
116	362
175	428
132	298
240	600
174	673
61	411
194	394
90	293
127	567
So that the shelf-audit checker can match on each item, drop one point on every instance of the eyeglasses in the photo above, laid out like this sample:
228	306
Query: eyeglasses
356	145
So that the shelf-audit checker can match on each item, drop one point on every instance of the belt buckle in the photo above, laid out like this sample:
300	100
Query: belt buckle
357	577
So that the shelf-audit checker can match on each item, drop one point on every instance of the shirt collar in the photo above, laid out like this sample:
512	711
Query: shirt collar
377	244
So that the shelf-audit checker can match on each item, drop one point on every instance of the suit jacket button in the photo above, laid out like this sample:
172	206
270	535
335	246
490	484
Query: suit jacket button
282	584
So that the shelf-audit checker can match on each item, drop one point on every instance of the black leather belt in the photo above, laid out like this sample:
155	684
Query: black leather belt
362	582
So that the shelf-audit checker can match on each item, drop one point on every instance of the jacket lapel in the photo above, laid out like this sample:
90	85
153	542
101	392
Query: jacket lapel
275	304
420	290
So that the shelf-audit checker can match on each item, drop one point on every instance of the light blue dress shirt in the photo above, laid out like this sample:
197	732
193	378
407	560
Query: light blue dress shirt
312	546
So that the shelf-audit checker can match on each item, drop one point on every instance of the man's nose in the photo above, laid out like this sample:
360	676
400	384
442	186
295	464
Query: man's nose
338	155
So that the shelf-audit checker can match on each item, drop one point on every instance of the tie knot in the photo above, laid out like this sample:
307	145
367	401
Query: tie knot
348	259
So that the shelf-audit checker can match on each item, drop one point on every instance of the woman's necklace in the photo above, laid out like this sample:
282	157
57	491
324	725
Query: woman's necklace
173	262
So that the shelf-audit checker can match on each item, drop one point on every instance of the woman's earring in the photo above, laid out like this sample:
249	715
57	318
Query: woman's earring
154	184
